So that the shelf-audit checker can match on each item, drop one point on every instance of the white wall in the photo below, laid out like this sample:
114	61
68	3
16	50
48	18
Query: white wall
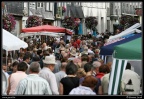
96	9
16	30
24	22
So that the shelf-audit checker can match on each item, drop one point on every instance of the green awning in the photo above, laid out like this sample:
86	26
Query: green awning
122	53
131	50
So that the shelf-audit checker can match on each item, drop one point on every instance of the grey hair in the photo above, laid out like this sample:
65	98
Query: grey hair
34	67
96	64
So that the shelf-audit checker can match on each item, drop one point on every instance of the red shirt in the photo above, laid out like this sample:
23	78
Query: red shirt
100	75
74	44
78	42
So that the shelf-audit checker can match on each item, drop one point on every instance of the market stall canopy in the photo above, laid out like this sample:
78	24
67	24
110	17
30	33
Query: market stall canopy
109	49
131	50
11	42
47	28
52	34
130	30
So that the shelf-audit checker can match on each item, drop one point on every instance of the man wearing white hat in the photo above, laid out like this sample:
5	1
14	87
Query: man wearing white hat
46	73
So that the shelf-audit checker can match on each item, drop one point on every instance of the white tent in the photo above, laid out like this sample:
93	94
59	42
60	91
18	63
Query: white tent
52	34
128	31
11	42
4	83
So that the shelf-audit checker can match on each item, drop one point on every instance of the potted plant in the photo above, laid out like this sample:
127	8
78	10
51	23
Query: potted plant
33	21
70	22
91	23
63	9
9	22
127	21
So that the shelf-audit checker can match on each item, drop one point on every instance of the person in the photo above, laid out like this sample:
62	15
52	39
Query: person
57	65
96	65
91	69
4	68
86	88
61	74
47	73
81	73
21	55
26	59
33	84
71	81
15	78
105	82
84	59
103	69
135	80
14	67
73	55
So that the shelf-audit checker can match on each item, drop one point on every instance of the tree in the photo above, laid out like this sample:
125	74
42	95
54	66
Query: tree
33	21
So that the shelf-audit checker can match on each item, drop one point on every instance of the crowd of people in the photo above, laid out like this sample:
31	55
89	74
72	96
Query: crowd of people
73	67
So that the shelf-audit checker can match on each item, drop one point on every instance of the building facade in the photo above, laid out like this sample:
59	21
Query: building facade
107	13
98	10
17	12
117	9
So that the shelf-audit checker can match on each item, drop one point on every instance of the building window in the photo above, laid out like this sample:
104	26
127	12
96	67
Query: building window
32	5
140	5
49	6
40	5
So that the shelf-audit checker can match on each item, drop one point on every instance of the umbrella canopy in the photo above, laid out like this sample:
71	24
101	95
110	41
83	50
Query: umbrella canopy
47	28
131	50
108	49
11	42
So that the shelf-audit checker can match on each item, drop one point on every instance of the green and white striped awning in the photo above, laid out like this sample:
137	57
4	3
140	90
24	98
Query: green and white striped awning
122	53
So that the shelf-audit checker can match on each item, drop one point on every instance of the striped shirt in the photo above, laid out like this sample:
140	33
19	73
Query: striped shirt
47	74
33	85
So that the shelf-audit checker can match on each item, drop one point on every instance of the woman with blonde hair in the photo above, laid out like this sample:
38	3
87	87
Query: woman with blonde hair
81	73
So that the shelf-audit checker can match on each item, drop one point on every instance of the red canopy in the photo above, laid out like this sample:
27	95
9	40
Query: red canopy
47	28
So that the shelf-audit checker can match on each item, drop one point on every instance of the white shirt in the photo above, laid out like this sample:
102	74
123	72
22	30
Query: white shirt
47	74
82	90
59	75
33	85
129	74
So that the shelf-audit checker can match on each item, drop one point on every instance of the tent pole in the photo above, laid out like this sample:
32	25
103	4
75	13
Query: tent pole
6	57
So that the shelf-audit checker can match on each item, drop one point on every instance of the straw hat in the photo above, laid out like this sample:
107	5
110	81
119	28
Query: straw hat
62	48
67	50
84	52
49	60
35	49
73	53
